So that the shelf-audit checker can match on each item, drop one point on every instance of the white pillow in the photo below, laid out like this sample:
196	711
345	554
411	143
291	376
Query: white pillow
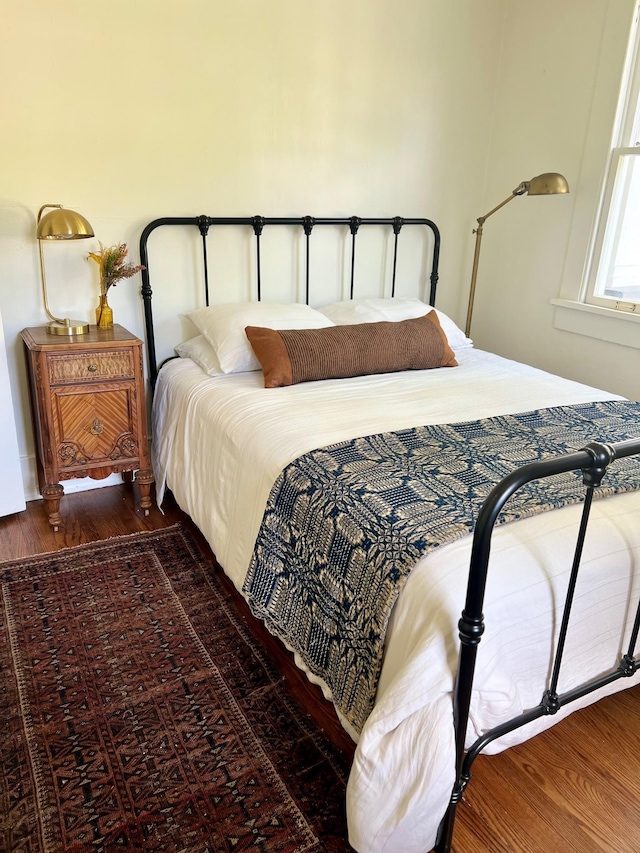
223	326
199	349
398	308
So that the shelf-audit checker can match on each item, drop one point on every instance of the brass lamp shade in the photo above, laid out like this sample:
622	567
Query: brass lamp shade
60	224
549	183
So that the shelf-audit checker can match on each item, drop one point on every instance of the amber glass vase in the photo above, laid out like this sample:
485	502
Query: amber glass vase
104	314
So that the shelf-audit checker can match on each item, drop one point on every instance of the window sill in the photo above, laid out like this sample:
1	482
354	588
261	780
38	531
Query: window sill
593	321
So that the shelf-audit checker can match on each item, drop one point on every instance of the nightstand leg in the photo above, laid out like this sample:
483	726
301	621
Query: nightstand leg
52	494
144	479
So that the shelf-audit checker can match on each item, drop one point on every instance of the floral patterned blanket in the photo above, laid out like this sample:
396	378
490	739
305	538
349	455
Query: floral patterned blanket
345	524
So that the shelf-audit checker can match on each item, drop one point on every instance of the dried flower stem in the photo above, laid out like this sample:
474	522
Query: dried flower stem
113	266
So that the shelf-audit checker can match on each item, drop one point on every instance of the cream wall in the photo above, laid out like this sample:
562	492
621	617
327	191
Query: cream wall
555	105
131	111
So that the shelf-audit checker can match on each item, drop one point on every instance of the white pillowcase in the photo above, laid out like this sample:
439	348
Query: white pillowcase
199	349
398	308
223	326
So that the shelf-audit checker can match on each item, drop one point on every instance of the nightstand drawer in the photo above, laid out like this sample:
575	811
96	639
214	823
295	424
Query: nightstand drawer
88	366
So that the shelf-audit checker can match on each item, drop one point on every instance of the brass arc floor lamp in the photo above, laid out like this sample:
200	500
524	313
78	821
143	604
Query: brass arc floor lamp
60	224
549	183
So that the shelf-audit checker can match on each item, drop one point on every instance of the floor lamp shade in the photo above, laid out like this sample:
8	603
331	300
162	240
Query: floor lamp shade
549	183
60	223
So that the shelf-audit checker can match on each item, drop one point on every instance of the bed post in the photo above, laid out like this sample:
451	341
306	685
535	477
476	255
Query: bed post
145	292
471	629
435	262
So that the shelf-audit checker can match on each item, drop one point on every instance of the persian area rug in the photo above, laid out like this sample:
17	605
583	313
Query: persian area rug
137	713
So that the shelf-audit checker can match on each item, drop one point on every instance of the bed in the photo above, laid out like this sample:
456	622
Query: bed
236	454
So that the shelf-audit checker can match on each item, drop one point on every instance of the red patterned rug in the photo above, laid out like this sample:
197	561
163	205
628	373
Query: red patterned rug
137	713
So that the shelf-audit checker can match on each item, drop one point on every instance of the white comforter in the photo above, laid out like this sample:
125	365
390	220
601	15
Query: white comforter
219	444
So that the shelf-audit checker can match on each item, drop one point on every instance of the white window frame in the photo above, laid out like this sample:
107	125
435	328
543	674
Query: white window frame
625	144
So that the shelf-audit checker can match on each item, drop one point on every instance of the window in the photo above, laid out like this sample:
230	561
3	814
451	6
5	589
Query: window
614	280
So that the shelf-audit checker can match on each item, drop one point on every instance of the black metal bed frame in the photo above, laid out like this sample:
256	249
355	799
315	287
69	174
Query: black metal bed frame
592	461
258	224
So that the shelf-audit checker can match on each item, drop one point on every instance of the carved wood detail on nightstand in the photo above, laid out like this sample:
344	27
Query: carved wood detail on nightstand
71	454
89	412
126	448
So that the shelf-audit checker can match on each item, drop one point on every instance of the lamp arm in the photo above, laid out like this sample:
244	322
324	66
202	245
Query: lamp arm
43	278
43	208
519	190
44	289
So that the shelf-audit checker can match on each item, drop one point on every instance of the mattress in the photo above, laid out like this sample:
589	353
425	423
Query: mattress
220	442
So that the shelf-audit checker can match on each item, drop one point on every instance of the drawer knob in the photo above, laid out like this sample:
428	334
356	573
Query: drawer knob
92	368
96	427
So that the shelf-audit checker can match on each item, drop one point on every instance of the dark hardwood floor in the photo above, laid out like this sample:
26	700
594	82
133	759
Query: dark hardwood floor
574	789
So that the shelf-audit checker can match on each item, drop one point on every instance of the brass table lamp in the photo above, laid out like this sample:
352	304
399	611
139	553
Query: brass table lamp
60	224
549	183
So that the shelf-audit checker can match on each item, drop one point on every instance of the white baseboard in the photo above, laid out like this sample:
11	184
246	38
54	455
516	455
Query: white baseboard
83	484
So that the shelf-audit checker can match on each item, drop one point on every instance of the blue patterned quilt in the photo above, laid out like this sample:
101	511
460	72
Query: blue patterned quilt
345	524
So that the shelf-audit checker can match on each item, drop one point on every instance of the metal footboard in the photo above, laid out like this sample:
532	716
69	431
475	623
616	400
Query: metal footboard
593	462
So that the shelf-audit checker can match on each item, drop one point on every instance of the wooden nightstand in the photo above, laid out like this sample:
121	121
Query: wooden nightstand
88	409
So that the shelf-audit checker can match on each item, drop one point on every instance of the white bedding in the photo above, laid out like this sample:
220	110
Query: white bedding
220	442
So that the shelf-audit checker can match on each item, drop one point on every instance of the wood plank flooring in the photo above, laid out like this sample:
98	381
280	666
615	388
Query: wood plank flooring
574	789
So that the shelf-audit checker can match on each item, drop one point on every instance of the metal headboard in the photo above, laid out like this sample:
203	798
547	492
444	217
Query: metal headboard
258	224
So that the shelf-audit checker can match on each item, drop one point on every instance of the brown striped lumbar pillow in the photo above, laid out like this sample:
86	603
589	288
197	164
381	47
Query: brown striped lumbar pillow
289	356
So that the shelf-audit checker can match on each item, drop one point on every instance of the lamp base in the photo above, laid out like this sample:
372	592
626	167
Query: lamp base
68	327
